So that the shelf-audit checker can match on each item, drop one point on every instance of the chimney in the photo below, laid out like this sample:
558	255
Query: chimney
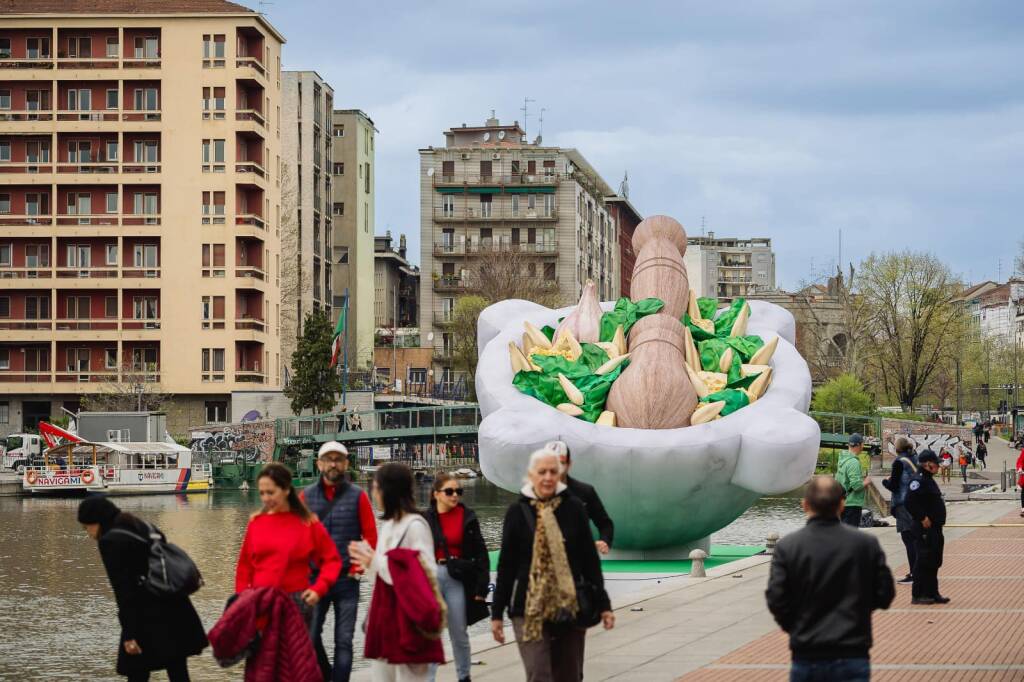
492	122
401	246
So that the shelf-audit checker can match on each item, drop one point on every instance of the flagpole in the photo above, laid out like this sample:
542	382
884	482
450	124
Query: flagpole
344	351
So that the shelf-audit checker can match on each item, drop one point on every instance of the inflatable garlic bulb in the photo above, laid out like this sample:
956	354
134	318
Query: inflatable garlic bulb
669	489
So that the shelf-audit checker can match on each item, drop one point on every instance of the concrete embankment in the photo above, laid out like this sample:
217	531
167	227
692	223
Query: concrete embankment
10	485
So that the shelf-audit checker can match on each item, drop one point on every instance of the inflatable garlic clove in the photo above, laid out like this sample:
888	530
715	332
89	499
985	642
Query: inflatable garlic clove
698	383
707	412
620	340
765	352
759	385
569	409
520	363
751	398
715	381
725	362
574	394
538	337
690	348
692	309
585	320
706	325
739	325
607	418
610	366
528	344
751	370
610	348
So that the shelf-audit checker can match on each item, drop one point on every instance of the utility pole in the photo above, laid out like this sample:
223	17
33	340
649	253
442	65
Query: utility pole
344	352
958	392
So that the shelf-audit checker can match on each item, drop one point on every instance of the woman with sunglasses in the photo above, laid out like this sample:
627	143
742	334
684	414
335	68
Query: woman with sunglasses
463	567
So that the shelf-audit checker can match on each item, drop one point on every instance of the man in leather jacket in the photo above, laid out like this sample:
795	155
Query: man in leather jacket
825	581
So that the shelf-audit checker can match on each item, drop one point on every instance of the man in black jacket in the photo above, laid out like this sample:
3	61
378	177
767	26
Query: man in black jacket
825	581
588	496
924	502
904	468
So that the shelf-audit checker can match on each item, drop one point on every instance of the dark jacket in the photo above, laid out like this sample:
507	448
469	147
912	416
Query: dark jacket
473	549
285	652
825	581
924	498
595	510
899	478
166	629
517	553
339	516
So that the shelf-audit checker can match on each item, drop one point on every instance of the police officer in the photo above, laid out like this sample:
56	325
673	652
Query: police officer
924	502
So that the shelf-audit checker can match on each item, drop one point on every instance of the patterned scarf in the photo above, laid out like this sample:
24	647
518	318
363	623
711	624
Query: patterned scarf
551	592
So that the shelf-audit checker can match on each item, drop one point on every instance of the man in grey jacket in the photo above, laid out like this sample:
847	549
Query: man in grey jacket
903	471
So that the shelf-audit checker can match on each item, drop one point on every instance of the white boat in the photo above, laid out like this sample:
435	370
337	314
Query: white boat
117	469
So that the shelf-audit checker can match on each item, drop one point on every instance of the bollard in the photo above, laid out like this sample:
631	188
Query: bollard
697	558
769	545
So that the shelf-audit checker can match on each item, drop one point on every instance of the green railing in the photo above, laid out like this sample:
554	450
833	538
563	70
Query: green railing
370	425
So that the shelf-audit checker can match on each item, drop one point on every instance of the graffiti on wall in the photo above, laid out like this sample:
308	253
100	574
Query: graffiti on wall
253	441
934	437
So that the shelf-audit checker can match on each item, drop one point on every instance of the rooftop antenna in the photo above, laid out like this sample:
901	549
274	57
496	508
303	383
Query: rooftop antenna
702	225
540	121
999	270
840	249
264	3
526	111
624	185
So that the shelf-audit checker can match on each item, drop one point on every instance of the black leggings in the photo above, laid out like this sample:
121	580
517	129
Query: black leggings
176	672
1022	497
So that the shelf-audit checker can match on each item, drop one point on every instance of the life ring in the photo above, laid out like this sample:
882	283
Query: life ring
30	477
87	476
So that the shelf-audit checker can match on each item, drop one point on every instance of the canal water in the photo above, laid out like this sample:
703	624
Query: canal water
57	613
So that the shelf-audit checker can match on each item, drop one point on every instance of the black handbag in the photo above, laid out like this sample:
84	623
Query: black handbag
588	595
464	571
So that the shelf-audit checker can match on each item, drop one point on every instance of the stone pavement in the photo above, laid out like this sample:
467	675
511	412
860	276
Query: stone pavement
721	628
977	636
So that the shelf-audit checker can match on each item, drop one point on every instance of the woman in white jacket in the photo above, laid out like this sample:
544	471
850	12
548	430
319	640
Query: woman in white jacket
402	527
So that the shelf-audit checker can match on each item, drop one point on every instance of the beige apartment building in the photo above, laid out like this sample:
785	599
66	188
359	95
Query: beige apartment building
490	189
139	204
352	210
306	228
728	267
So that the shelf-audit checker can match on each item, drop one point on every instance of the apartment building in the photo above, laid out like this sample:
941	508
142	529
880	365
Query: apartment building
138	199
306	190
491	190
396	284
627	218
352	210
729	268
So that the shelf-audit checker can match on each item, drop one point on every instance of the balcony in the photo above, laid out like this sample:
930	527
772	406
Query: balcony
443	353
39	272
251	63
43	62
250	167
27	167
141	115
105	272
253	115
250	324
9	324
106	324
458	214
501	246
87	376
249	376
517	179
23	377
88	115
252	271
443	317
12	219
250	219
88	219
452	283
137	272
26	115
140	219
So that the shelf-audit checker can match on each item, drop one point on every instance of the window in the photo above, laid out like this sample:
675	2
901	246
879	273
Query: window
417	375
112	99
339	208
112	46
5	48
5	411
485	205
213	50
111	202
339	131
78	307
341	255
147	151
213	364
515	204
5	359
5	306
37	204
37	359
5	203
144	359
147	47
366	178
79	100
111	252
37	100
110	362
213	312
549	205
80	47
145	256
339	169
213	156
216	411
80	203
37	255
213	260
79	151
5	99
110	307
213	208
145	203
531	202
37	48
37	307
213	103
144	307
448	205
119	435
147	99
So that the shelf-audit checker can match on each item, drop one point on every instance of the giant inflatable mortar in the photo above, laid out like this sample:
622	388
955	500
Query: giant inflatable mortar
667	489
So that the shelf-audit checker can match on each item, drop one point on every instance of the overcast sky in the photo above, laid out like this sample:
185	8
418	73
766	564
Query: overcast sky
898	123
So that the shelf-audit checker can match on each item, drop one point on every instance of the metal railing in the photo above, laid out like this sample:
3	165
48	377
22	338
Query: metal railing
538	179
548	248
441	214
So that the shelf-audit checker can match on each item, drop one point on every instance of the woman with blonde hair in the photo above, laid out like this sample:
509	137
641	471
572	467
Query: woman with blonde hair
549	576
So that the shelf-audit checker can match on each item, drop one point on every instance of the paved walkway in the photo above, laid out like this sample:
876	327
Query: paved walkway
719	628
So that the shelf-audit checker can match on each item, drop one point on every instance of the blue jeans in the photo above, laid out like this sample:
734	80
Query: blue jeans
845	669
455	597
344	596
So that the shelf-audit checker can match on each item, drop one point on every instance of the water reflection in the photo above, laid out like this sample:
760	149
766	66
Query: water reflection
57	612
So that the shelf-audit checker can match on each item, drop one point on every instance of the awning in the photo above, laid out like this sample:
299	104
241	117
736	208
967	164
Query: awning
529	190
484	190
450	190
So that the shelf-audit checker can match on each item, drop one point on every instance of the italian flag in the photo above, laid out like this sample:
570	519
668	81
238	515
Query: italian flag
339	332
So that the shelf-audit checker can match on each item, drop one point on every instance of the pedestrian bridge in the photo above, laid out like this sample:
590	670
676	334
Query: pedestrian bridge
438	424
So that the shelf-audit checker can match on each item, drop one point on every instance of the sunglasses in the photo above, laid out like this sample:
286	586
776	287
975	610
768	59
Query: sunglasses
453	491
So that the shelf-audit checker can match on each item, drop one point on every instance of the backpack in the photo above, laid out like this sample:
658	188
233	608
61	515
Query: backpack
172	573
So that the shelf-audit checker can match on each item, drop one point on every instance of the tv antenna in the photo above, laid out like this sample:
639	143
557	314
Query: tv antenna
540	121
526	111
703	224
264	3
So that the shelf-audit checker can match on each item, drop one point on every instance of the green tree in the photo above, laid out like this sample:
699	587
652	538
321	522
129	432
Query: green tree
844	394
914	320
464	351
314	385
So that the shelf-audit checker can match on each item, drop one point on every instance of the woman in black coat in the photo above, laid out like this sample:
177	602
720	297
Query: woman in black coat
157	633
547	555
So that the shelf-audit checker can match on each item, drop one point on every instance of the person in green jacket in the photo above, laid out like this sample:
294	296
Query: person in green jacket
853	480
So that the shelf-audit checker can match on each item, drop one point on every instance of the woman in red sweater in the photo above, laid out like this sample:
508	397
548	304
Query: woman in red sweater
283	541
1020	480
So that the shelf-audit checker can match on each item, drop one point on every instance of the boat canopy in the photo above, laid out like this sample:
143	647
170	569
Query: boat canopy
124	454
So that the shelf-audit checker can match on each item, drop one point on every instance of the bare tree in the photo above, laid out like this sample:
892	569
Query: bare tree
836	328
137	388
291	276
500	274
